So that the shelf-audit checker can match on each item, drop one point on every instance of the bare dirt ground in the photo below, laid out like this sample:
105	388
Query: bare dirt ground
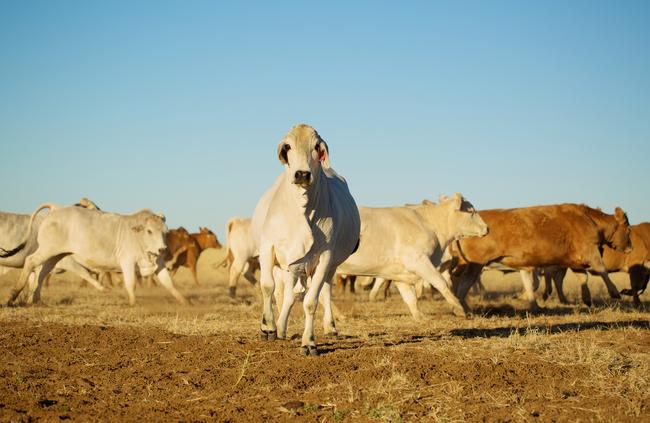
87	356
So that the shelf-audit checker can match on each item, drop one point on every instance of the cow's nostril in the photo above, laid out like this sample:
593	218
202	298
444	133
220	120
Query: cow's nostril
302	175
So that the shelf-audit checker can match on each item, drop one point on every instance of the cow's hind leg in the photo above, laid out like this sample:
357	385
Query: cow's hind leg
236	269
325	298
376	287
31	263
40	276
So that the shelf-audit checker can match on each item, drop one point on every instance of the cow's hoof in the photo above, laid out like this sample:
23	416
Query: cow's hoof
232	292
307	350
615	295
268	335
458	313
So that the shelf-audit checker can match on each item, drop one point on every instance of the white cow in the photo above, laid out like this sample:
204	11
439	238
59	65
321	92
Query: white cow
98	241
406	244
13	226
306	224
241	249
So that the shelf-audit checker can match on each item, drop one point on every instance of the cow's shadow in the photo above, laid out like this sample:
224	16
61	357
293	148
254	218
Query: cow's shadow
506	331
507	310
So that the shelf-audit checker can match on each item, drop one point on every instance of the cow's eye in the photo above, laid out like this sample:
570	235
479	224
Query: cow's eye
149	231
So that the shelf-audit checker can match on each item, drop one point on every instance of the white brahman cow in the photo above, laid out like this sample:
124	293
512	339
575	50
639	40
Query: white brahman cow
306	224
13	227
241	251
406	244
98	241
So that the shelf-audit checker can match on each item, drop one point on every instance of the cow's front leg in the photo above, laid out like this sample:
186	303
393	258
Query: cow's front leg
409	295
128	272
528	281
583	279
267	284
422	266
286	282
310	303
611	288
166	280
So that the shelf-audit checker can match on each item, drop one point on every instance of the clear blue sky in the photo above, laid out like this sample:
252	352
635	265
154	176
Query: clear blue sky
178	106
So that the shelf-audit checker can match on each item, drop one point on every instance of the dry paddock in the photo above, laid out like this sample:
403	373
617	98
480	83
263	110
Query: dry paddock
87	356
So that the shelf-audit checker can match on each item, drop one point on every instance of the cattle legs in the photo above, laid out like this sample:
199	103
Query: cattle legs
285	283
325	297
409	295
528	280
322	274
423	267
236	269
638	283
376	287
47	261
267	328
166	281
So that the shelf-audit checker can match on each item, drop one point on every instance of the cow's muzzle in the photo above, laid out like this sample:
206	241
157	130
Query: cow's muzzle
302	178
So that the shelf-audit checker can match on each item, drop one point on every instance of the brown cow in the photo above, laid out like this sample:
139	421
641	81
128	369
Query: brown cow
183	251
636	263
185	248
206	239
568	235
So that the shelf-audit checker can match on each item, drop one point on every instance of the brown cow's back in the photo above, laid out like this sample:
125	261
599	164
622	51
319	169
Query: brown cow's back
534	237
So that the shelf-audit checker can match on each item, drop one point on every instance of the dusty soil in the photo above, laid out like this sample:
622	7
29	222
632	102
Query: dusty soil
87	356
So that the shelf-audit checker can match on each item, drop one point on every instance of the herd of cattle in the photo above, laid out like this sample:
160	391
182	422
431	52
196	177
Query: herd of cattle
307	228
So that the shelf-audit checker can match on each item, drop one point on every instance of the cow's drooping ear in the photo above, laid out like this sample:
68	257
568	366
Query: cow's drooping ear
620	215
283	149
323	153
137	228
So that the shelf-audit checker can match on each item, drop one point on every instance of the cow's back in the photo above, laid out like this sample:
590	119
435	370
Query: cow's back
384	233
91	236
532	236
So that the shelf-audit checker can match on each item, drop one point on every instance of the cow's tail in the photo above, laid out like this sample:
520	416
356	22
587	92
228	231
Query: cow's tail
8	253
229	258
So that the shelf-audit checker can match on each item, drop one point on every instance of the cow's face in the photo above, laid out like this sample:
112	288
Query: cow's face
464	220
302	152
620	240
209	239
151	233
